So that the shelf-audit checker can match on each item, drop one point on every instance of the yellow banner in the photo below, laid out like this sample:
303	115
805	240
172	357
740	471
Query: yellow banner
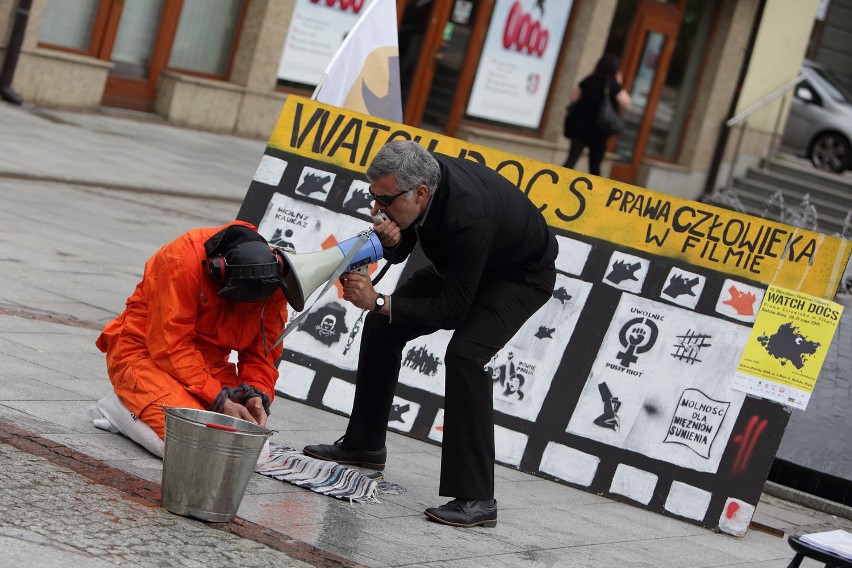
630	216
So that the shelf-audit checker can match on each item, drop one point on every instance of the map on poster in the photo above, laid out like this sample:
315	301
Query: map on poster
787	346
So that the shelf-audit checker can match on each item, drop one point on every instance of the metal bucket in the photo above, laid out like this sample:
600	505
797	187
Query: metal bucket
207	462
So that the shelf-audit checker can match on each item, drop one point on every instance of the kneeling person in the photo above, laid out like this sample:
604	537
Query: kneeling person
209	292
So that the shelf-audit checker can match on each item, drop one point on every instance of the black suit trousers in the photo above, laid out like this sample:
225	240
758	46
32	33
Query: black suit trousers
499	309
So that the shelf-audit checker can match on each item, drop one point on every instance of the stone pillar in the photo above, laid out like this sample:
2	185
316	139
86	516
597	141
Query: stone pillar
261	43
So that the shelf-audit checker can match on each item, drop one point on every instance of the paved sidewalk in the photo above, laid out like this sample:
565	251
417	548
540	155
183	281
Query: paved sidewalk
73	239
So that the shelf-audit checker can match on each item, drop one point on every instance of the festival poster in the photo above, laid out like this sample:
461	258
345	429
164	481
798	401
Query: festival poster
517	62
787	346
316	31
660	384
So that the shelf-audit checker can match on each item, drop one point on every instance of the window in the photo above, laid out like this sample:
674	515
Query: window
69	24
205	36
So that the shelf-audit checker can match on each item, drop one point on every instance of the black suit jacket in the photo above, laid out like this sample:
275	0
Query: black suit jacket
479	228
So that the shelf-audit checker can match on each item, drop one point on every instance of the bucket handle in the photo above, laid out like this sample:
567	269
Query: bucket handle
220	427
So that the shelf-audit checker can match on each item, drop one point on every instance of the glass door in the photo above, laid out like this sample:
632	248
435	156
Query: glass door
435	58
138	40
647	57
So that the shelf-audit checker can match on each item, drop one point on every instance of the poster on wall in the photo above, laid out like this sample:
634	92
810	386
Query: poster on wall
517	62
316	31
787	346
622	383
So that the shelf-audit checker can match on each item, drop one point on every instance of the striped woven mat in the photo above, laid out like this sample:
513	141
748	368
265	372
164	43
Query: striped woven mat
325	477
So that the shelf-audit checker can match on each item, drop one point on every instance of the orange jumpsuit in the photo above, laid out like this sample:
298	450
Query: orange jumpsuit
171	344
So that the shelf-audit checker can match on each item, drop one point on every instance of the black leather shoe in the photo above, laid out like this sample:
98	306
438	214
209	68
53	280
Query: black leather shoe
465	513
337	452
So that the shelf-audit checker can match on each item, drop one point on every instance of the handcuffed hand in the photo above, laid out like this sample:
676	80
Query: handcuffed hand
255	407
237	410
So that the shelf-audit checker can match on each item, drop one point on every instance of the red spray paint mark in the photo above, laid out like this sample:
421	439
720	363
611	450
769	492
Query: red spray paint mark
747	440
732	509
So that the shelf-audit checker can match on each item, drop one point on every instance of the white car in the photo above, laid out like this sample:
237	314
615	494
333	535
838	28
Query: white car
819	126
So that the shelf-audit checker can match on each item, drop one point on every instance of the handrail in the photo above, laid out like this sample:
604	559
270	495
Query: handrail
764	101
780	91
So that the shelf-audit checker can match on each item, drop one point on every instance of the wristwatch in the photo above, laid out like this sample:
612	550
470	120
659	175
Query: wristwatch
380	301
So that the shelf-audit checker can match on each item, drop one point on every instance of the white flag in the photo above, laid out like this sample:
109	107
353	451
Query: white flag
364	73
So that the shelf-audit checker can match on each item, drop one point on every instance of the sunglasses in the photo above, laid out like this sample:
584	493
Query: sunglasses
386	200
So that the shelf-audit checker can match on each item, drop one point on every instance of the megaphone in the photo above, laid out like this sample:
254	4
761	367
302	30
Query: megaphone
304	273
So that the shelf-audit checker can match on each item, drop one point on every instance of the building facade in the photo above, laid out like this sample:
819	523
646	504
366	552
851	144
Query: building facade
493	72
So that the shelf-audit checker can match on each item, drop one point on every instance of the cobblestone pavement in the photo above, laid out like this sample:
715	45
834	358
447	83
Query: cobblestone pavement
53	516
61	507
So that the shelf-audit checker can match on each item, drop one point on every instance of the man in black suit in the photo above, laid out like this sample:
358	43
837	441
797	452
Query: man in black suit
492	258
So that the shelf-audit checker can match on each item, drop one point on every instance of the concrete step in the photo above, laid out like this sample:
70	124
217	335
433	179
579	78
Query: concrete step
827	205
797	169
832	191
755	196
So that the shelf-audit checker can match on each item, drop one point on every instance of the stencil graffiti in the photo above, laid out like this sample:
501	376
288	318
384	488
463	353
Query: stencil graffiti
278	239
622	271
545	332
689	345
314	181
511	376
626	272
609	418
397	412
739	300
326	324
742	302
696	421
683	288
356	329
638	336
789	345
680	285
358	198
498	372
513	386
562	295
655	394
419	359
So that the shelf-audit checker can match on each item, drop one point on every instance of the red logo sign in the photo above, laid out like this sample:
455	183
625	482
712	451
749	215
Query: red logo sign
523	32
344	5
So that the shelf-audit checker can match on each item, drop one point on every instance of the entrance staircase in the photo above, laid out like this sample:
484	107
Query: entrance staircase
791	190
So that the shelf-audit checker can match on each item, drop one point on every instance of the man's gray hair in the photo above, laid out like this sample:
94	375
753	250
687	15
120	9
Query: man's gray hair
409	162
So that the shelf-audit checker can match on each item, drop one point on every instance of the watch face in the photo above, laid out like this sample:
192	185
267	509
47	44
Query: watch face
380	301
